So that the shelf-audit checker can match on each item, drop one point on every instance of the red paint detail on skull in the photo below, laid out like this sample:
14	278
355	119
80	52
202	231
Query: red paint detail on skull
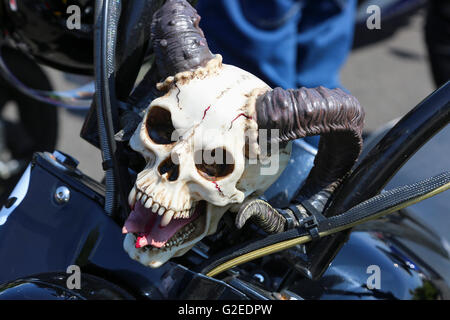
238	116
204	112
218	188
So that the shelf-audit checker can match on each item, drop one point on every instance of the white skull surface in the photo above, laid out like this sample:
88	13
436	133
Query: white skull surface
193	140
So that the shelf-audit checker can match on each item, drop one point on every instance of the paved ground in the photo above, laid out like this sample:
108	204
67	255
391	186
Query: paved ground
389	78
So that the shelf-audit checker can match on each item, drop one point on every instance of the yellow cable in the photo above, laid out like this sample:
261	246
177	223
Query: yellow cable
301	240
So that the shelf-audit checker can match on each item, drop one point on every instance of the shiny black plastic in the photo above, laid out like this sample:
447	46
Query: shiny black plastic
53	286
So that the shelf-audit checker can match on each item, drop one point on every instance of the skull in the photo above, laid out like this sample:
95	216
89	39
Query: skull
197	142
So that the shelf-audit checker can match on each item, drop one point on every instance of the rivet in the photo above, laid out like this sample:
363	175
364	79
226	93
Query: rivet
62	195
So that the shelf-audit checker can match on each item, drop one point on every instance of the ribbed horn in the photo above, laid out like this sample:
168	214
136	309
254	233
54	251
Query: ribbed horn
178	42
333	114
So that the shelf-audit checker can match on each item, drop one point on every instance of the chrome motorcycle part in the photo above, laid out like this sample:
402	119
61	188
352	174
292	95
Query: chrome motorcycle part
62	195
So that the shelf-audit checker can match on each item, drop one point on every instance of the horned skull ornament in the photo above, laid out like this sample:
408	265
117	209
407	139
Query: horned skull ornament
205	115
199	140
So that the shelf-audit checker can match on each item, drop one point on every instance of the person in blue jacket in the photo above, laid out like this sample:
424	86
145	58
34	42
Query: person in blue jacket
287	43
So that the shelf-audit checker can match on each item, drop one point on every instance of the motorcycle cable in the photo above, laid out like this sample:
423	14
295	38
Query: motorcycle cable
376	207
107	14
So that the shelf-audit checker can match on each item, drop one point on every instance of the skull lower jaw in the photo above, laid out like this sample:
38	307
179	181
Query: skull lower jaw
205	224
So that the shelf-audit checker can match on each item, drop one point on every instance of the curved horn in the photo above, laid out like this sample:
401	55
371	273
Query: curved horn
178	42
333	114
263	214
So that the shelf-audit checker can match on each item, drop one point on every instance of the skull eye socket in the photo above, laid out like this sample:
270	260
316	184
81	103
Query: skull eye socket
214	164
159	126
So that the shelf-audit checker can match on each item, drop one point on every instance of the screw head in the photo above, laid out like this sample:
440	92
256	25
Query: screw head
62	195
259	277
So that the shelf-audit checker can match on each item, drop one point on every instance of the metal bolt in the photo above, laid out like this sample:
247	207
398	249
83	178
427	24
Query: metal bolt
62	195
259	277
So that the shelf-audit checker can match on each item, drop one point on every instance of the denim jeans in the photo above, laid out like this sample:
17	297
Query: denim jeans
287	43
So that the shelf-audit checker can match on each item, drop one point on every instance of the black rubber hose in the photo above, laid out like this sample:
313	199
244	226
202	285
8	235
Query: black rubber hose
106	18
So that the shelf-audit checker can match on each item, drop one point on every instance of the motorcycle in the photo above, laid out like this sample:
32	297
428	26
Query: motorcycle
58	219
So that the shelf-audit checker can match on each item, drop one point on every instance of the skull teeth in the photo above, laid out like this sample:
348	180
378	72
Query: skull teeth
155	207
167	218
185	214
181	236
144	199
132	197
176	240
148	202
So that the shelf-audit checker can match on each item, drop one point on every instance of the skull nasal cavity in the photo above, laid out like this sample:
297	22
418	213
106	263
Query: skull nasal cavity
168	168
